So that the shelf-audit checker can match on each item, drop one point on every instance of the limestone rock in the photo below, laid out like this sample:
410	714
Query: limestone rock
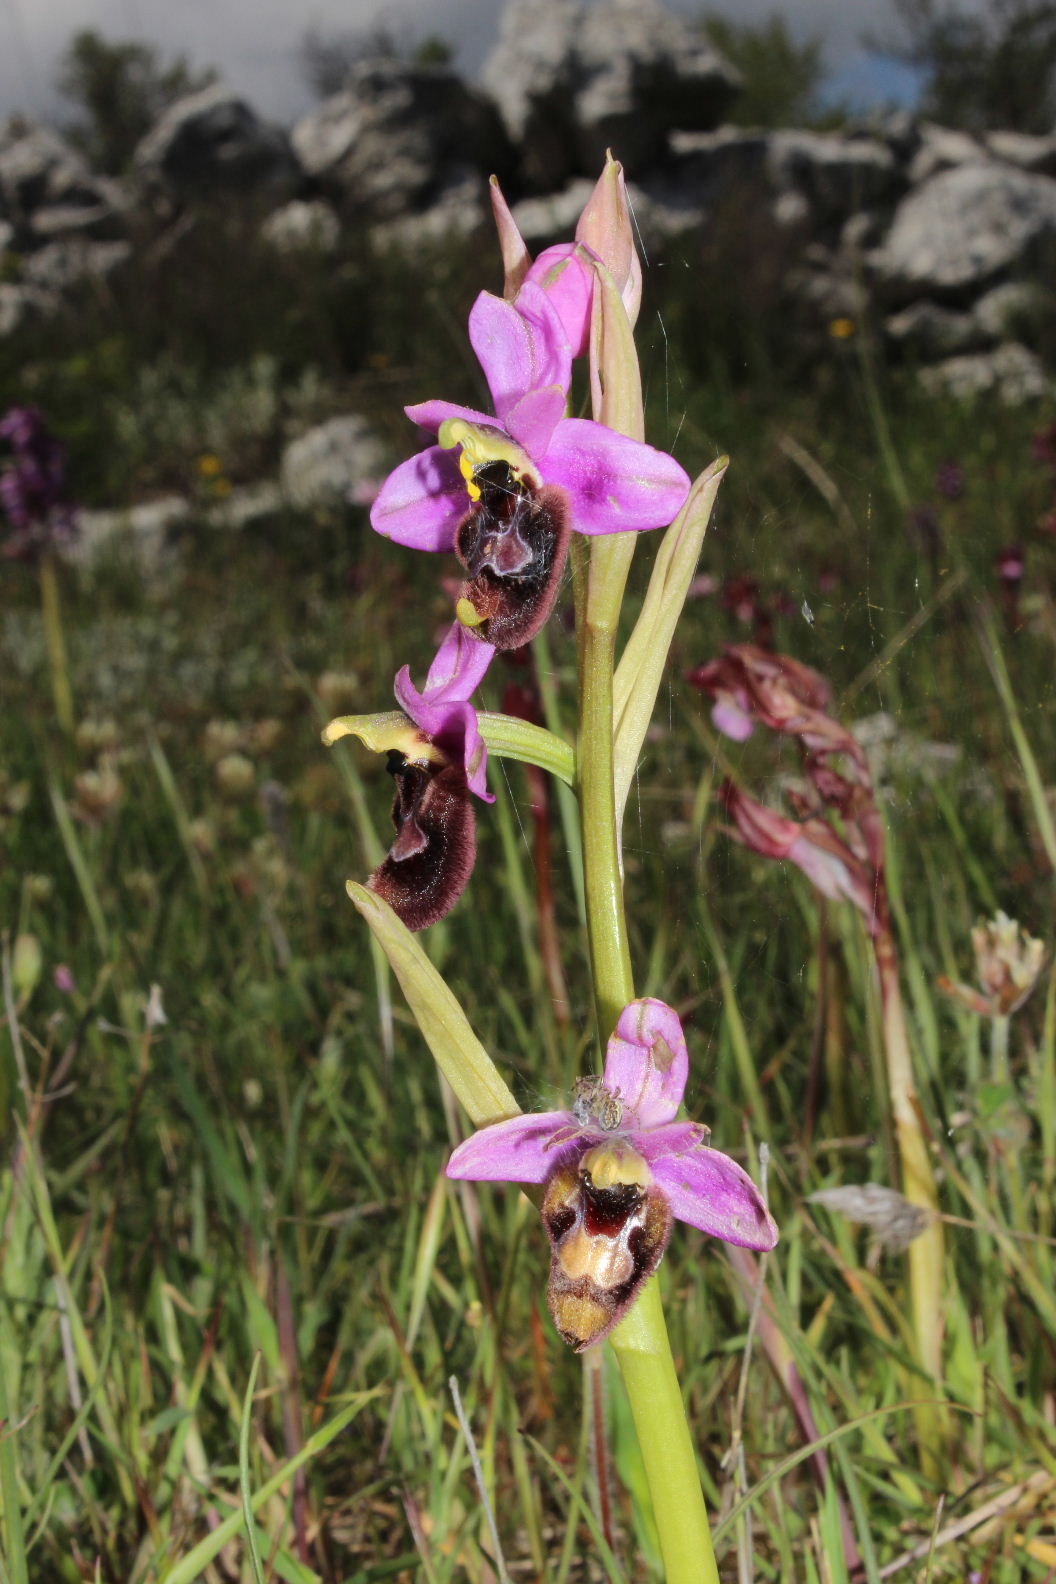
836	175
22	304
213	142
1013	309
942	148
324	465
1037	154
60	264
928	331
396	137
1011	372
458	211
572	79
964	228
303	225
47	190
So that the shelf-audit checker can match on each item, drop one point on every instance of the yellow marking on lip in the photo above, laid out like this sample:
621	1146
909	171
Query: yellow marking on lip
382	732
481	444
615	1165
468	614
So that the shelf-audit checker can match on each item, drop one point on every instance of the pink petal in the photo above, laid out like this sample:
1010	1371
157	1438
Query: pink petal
521	1149
617	485
422	502
710	1191
431	414
452	724
731	719
569	283
673	1138
442	711
459	665
647	1061
520	348
533	419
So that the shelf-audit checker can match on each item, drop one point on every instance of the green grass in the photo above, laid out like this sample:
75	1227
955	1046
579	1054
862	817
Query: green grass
234	1278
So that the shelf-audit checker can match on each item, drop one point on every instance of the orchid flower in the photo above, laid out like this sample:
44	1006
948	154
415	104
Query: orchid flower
524	479
437	757
619	1169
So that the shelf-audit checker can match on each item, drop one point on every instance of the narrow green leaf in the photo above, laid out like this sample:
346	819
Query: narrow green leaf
194	1564
511	738
243	1472
637	679
458	1053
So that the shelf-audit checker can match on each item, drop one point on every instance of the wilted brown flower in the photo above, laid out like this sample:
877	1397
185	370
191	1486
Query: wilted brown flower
1007	964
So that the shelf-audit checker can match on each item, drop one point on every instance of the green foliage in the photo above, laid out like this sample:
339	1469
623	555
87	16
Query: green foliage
262	1171
987	68
782	79
327	57
120	88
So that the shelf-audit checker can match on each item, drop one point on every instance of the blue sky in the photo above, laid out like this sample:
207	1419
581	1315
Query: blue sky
254	42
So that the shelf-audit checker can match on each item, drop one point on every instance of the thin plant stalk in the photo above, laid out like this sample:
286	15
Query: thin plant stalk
643	1353
927	1251
55	639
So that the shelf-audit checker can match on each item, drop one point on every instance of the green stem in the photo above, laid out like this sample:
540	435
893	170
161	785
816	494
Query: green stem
927	1260
999	1050
643	1353
56	642
640	1341
606	926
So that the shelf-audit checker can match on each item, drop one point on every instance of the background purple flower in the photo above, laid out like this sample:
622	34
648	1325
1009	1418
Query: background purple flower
33	489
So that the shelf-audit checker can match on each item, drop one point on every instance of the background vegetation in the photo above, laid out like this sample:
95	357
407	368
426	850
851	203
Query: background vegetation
224	1135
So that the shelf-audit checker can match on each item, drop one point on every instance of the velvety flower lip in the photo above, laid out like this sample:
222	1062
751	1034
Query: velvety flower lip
614	484
646	1067
442	710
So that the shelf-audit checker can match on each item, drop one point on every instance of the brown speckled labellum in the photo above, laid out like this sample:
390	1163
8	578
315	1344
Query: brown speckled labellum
606	1242
513	544
431	858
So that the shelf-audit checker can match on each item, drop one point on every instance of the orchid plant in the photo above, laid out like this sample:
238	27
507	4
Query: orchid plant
516	495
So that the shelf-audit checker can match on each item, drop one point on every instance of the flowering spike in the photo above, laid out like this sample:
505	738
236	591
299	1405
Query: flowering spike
1007	964
437	757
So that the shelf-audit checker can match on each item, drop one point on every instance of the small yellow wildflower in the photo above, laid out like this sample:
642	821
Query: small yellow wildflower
210	465
842	329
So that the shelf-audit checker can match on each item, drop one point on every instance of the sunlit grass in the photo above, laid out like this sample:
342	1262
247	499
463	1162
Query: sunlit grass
257	1174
